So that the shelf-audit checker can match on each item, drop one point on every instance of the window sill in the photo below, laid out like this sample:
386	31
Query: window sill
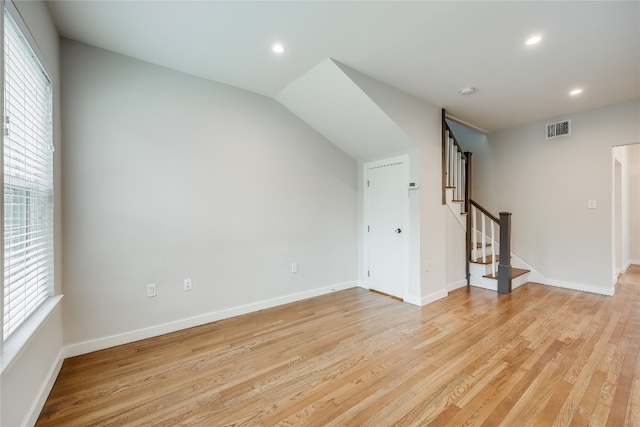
16	344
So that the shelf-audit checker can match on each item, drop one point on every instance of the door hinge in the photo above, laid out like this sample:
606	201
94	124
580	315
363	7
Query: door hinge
368	183
368	273
368	228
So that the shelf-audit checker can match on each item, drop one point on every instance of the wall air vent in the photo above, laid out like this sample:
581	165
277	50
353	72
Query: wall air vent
558	129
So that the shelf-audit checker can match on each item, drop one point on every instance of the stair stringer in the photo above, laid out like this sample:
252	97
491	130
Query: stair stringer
457	208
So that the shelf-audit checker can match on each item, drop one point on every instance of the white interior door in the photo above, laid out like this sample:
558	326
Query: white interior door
386	232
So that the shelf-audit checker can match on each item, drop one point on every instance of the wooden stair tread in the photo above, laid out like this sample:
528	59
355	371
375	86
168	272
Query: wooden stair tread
457	201
515	272
488	260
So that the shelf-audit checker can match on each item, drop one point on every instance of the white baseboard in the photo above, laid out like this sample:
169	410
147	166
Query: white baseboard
412	299
45	389
457	285
420	302
634	262
579	286
484	283
537	277
623	269
416	300
140	334
428	299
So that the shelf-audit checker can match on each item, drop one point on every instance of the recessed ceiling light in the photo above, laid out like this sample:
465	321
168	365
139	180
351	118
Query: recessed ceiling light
278	48
533	40
575	92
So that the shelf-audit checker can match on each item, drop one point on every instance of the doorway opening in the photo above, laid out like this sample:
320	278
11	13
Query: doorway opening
625	207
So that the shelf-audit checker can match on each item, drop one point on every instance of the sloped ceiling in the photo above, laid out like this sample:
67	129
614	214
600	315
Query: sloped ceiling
331	103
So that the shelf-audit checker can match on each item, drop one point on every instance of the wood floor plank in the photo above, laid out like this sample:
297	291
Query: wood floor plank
540	356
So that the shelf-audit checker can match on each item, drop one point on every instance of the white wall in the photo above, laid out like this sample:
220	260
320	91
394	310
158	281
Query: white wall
29	367
547	186
620	208
168	177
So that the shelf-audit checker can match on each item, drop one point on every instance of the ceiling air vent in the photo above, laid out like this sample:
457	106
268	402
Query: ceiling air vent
558	129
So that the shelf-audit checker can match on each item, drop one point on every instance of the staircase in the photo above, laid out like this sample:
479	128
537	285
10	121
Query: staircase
488	238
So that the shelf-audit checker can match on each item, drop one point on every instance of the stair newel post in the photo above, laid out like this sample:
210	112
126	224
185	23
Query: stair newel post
504	267
445	147
467	209
469	249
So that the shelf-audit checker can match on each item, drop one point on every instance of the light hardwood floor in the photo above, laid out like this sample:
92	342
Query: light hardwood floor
541	356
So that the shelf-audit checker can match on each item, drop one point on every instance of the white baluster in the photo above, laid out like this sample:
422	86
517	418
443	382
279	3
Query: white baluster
474	230
447	155
484	239
450	164
459	176
455	170
493	249
454	164
464	180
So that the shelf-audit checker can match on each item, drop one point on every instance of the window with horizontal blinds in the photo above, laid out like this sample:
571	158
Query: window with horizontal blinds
28	181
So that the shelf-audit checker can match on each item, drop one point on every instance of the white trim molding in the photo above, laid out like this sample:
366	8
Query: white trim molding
45	389
428	299
579	286
456	285
412	299
536	277
15	345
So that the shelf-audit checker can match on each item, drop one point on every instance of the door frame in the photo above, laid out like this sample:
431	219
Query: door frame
404	161
618	217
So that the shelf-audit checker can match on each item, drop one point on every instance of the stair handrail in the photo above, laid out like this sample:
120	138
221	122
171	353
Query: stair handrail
504	223
485	211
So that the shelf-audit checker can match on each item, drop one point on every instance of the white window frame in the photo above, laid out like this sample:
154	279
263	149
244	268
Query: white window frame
37	312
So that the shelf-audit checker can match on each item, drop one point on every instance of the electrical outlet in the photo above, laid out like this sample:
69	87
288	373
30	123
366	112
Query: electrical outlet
294	267
151	290
187	285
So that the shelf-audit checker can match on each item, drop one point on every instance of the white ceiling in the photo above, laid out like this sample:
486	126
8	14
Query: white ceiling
427	48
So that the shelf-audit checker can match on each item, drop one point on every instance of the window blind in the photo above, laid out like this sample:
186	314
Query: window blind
28	181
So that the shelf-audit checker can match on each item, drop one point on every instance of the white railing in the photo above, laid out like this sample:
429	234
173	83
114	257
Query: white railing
488	242
455	167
